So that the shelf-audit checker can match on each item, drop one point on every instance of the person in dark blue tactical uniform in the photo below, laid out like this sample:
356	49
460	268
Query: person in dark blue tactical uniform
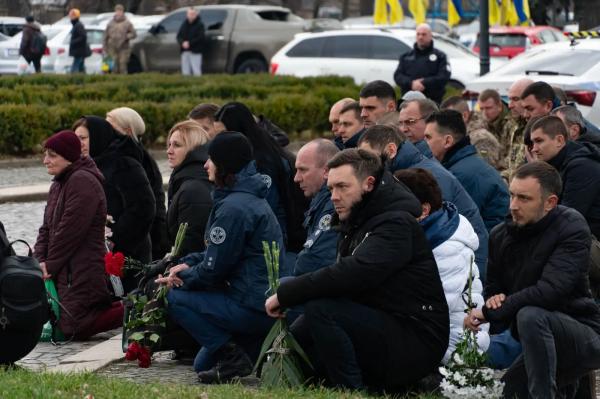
219	293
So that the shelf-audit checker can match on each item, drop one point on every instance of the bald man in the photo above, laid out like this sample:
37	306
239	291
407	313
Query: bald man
424	68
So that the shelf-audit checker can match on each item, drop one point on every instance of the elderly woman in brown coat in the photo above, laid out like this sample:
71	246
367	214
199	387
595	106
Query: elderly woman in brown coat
70	243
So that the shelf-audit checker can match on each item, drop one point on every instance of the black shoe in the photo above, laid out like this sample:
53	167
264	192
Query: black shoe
232	363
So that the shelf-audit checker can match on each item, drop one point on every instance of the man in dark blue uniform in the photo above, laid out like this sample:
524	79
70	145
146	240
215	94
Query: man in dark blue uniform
219	293
424	68
311	175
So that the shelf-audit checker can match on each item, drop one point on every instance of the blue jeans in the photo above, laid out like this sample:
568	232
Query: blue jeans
78	65
503	350
213	318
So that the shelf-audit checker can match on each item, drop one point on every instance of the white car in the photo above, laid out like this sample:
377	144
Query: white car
60	62
572	66
366	55
11	63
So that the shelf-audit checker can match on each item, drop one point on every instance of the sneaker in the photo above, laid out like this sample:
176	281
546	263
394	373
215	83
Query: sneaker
232	363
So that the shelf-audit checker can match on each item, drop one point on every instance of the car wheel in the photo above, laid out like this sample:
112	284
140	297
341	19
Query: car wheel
134	65
251	65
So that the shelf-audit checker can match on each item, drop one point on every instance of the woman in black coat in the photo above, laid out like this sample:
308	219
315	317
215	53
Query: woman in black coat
189	193
130	201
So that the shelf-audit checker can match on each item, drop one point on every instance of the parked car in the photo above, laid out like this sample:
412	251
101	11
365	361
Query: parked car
365	55
10	26
240	38
509	41
11	63
574	67
58	59
365	22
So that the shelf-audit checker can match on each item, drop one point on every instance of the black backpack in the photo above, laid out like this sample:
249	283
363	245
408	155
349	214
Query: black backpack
38	43
23	303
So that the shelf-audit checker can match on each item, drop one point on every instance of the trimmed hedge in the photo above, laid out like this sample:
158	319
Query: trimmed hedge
32	107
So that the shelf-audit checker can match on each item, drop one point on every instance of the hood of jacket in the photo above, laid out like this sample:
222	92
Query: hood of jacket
192	168
247	180
408	155
441	224
389	195
459	151
105	140
573	150
83	164
33	26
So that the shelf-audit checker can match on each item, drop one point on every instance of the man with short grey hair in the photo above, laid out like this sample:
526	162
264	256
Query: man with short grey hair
411	122
576	125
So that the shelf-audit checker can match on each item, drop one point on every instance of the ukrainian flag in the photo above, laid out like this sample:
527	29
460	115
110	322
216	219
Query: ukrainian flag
387	12
455	12
396	13
418	9
494	6
522	11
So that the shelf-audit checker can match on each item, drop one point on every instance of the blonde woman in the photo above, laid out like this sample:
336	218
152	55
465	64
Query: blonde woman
128	122
189	193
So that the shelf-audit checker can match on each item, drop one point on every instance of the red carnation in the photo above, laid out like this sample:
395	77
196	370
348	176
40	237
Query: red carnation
133	351
144	357
113	263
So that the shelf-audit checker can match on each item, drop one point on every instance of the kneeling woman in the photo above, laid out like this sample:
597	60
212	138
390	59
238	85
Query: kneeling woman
220	293
70	243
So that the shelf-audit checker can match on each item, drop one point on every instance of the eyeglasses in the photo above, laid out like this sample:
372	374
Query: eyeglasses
410	122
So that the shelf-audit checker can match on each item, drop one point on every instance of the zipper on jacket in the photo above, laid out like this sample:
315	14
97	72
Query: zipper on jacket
360	243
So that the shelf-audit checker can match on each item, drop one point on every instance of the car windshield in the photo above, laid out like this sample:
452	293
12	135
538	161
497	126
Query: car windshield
570	62
506	40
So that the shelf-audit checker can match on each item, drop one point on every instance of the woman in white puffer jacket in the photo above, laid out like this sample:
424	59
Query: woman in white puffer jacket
453	241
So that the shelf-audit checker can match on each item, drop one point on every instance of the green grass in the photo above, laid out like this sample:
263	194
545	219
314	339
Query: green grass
16	384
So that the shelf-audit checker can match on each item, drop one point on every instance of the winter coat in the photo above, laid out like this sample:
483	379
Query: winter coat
452	191
320	246
190	201
428	63
453	241
158	231
423	147
240	221
78	47
384	262
587	137
579	168
119	32
71	242
192	33
544	264
30	30
128	193
483	183
278	134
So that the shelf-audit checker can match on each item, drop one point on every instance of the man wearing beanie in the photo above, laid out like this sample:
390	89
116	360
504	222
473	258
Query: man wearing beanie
70	243
219	293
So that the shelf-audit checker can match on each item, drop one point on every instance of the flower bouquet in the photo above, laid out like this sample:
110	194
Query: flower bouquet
147	318
280	352
466	375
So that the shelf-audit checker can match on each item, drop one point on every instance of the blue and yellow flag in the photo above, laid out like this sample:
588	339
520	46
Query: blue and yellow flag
387	12
418	9
494	6
455	12
522	11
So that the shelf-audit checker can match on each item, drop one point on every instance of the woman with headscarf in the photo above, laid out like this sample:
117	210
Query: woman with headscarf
128	122
130	201
70	243
277	167
189	192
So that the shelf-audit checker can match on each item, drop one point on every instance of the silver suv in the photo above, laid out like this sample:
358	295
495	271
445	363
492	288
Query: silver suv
239	38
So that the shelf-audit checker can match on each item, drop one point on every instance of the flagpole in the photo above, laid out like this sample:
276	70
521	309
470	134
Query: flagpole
484	37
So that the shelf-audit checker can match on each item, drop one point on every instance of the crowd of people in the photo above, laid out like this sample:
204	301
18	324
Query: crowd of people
381	230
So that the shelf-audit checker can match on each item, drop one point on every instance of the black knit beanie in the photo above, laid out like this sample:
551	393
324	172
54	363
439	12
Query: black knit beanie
230	152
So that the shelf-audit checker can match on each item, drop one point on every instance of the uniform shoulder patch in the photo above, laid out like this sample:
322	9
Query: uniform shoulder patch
217	235
267	180
325	222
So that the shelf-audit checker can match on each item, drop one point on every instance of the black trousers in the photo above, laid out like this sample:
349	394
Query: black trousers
36	63
557	351
354	346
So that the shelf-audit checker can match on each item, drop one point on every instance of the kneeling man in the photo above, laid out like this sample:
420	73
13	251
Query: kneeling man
377	318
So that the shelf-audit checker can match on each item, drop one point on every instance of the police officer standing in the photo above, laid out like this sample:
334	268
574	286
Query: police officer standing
424	68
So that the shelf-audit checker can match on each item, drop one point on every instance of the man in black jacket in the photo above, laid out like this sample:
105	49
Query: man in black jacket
377	318
191	40
578	164
537	284
78	47
424	68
